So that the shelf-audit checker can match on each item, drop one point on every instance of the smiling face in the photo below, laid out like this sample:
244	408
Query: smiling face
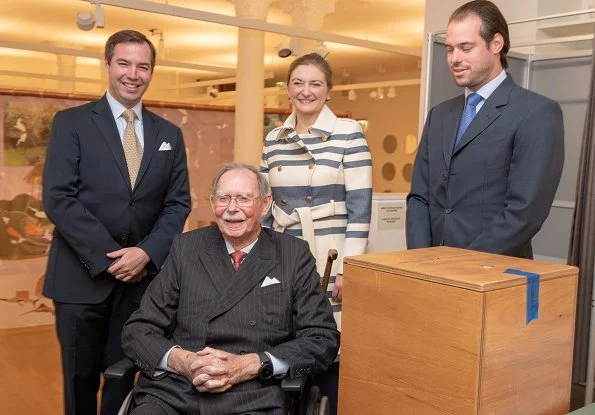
472	62
308	90
129	72
240	225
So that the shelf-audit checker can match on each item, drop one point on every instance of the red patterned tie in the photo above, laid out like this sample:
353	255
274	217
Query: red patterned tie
238	257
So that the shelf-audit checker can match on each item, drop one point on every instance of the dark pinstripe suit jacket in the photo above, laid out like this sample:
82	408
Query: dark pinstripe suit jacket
198	300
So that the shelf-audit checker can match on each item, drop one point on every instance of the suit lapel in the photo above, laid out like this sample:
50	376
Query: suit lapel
258	263
449	128
488	113
104	120
216	261
150	131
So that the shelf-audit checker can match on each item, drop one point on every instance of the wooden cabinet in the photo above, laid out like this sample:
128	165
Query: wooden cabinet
444	331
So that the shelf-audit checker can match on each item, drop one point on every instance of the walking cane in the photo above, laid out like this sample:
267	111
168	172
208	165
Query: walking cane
332	255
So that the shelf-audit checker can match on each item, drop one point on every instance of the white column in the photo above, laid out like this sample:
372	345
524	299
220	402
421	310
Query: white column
249	125
308	14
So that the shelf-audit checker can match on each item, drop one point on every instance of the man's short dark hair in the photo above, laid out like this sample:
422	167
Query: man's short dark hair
124	36
492	22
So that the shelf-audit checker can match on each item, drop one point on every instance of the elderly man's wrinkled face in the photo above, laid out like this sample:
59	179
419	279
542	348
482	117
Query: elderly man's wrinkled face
239	207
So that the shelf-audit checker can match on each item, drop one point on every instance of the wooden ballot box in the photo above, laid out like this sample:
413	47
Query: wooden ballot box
450	331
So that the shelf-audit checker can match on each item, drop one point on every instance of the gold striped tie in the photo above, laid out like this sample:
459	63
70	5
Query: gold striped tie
132	149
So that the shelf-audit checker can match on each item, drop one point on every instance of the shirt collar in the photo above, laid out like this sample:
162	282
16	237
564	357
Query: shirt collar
324	124
487	90
118	109
245	249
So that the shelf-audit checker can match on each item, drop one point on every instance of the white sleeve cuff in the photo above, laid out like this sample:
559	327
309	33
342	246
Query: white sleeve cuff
280	366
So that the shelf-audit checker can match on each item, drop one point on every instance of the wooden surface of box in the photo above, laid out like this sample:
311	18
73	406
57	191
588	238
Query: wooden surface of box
444	331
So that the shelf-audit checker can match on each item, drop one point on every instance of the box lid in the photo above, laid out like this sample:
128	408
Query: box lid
478	271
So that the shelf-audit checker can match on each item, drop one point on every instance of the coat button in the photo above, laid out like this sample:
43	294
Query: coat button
279	167
311	165
252	323
309	199
283	202
243	351
123	237
444	177
447	211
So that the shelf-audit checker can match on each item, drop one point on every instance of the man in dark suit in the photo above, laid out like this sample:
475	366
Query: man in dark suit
211	339
489	162
117	190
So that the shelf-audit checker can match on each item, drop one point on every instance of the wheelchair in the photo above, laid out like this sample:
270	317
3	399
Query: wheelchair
303	397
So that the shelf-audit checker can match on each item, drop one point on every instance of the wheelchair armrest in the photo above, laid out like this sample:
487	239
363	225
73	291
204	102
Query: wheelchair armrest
121	369
296	384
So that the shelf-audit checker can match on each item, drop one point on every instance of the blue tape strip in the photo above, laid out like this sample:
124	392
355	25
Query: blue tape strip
532	292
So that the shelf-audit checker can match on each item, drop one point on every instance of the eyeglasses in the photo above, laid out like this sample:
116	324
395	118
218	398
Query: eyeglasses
241	200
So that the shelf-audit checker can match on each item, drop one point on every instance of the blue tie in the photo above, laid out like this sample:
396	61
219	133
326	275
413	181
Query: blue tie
468	114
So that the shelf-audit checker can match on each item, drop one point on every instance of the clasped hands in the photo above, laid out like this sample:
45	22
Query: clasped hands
212	370
129	264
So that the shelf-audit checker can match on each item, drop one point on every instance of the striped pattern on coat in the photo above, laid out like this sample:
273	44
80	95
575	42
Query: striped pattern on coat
321	180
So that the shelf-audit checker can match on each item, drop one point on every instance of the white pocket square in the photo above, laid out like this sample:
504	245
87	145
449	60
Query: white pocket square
165	146
269	281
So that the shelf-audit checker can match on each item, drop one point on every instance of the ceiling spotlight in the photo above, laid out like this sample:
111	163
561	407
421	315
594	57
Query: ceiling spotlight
391	92
86	21
373	94
380	93
283	49
351	96
322	50
213	91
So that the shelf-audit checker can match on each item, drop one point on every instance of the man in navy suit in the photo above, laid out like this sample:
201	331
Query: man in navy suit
489	161
215	333
116	187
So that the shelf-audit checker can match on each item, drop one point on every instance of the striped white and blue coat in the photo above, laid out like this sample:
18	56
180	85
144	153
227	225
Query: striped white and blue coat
322	187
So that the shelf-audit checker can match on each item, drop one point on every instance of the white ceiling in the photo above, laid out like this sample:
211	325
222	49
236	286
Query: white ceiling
39	24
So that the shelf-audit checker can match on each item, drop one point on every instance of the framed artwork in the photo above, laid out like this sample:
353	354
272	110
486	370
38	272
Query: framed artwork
25	230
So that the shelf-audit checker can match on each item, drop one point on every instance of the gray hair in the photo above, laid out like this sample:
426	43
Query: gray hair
264	189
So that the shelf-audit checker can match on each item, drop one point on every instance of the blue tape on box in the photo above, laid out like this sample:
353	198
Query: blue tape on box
532	292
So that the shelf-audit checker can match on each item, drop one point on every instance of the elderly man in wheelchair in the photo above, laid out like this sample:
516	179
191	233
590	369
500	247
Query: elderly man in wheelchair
235	310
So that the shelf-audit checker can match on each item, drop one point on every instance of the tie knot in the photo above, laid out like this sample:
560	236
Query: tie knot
473	99
129	115
238	257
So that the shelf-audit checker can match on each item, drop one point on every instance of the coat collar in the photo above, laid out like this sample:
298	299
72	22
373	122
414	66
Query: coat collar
106	124
324	124
488	113
234	286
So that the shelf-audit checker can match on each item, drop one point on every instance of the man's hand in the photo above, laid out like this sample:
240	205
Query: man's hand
129	264
212	370
338	288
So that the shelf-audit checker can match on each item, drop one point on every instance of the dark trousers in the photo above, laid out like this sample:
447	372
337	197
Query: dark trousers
89	336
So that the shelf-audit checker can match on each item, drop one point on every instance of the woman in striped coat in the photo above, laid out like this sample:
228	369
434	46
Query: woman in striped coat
320	171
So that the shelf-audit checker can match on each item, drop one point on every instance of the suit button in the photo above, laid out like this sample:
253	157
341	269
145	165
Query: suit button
252	323
242	352
447	211
444	177
123	237
308	199
132	203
